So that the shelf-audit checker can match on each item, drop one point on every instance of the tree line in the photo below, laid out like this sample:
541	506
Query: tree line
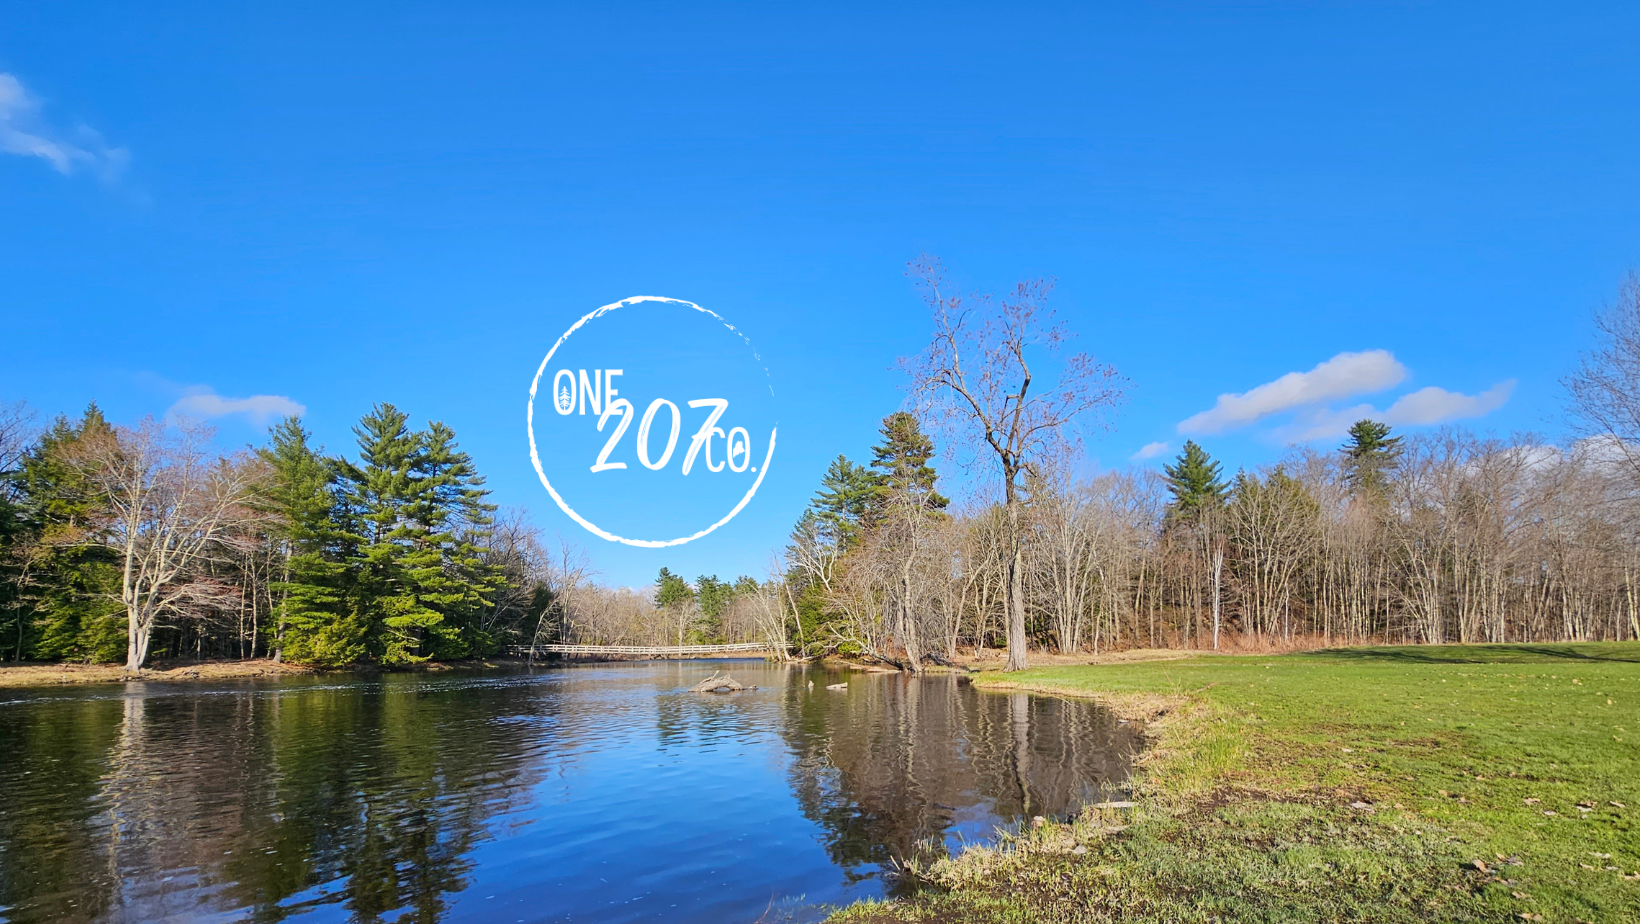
124	543
127	542
672	611
1445	536
1439	537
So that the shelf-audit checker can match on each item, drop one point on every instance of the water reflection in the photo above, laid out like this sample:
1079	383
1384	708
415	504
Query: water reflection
588	793
902	766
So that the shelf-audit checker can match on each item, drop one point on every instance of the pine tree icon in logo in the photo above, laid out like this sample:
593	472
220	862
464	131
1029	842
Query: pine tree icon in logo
565	399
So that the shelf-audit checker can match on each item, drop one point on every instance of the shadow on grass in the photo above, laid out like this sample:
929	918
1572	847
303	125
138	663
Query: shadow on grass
1488	654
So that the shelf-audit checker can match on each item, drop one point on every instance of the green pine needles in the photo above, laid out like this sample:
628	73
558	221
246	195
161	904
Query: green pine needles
386	555
1369	457
1194	481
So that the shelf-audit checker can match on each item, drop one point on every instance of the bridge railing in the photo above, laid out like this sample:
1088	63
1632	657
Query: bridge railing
641	651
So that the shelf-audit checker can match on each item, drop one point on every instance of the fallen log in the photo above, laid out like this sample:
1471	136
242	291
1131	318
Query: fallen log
716	684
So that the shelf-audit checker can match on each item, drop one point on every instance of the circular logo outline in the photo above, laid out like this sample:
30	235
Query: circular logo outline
535	458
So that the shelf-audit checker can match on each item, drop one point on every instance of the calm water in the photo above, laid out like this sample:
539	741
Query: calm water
593	793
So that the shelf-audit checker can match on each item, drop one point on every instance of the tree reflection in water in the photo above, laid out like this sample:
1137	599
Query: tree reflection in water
593	793
901	766
170	803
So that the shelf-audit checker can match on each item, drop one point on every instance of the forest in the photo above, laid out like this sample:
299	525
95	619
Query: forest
130	542
1440	536
126	543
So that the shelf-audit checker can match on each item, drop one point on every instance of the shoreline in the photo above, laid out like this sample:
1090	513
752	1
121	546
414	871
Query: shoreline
54	673
1392	783
15	676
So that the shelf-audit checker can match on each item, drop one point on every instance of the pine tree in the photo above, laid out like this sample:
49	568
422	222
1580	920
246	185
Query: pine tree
714	596
72	599
1369	456
458	522
901	463
375	519
16	533
317	620
844	500
672	590
676	600
1194	481
416	507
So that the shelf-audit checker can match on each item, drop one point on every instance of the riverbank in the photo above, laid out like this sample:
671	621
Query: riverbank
1452	783
29	675
50	674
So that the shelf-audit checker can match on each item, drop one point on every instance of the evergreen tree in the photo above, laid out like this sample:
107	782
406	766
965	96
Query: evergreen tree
379	496
317	621
413	509
672	590
70	609
1194	481
844	500
458	522
15	532
1369	456
676	601
901	463
713	596
388	558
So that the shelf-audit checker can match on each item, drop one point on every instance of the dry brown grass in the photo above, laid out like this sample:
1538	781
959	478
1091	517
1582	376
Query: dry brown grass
27	675
1230	643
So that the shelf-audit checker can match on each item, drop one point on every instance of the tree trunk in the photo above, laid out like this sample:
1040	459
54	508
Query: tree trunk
1218	573
138	634
908	639
1017	660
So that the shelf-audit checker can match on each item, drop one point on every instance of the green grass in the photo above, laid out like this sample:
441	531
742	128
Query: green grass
1352	784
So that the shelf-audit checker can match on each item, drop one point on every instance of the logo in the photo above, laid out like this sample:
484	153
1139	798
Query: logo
705	415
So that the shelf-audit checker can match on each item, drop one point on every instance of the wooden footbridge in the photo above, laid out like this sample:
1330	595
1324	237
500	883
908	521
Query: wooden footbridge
743	649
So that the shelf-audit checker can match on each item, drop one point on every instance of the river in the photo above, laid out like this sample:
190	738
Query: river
594	793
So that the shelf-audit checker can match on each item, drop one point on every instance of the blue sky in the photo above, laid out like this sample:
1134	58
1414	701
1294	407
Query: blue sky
343	204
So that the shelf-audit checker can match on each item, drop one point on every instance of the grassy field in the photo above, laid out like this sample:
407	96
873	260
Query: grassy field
1456	783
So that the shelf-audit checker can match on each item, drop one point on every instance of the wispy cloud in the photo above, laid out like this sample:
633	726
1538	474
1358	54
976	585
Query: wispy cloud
1423	407
1344	376
1149	451
203	402
24	133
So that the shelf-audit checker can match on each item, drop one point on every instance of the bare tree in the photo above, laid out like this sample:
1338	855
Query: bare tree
568	582
16	433
1605	389
976	379
524	600
173	505
1063	526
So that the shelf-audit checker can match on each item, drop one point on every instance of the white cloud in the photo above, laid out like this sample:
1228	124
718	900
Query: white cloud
1149	451
1343	376
23	133
259	409
1423	407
